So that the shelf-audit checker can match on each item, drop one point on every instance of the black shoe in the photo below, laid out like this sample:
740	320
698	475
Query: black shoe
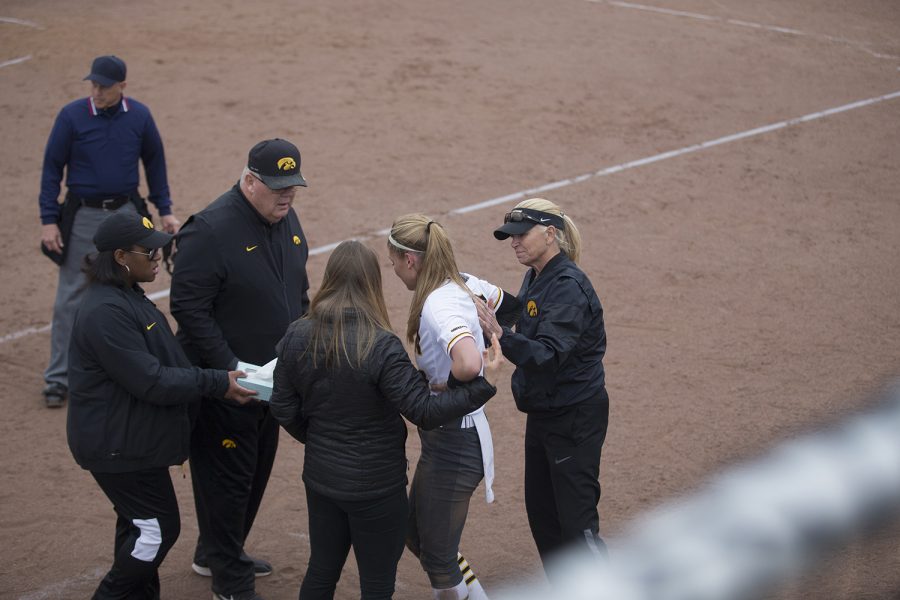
261	568
55	395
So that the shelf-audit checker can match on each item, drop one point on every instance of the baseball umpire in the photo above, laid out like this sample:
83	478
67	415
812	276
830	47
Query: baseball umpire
98	141
239	281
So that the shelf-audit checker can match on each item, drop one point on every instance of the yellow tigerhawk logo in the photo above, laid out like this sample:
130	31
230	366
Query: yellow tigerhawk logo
531	307
296	240
226	443
147	223
287	164
151	325
251	248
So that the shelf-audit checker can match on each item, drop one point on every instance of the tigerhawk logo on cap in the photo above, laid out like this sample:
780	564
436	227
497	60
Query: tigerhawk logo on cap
226	443
147	223
531	307
287	164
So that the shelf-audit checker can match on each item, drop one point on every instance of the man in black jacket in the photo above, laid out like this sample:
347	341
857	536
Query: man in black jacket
239	281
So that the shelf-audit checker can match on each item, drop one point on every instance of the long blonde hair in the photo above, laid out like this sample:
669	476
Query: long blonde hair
569	241
352	280
418	234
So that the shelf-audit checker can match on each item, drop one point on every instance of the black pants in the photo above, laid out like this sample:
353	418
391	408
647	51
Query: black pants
232	452
449	471
375	528
147	526
562	489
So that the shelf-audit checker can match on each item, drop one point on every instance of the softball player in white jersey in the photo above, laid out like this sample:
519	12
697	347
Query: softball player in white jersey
443	325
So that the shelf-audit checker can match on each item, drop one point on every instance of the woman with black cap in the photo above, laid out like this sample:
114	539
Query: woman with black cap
131	388
557	346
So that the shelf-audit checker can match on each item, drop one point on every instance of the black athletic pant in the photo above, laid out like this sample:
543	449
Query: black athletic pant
562	467
232	452
147	526
376	528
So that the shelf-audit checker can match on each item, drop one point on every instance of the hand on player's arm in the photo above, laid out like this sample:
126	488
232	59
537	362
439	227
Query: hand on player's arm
487	318
493	359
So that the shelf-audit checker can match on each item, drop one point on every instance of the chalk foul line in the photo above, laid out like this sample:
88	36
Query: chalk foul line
738	22
15	21
521	195
14	61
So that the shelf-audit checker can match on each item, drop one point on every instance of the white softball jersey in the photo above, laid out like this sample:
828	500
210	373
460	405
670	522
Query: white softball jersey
449	316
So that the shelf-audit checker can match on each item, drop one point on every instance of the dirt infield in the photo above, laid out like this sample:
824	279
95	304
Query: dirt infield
751	288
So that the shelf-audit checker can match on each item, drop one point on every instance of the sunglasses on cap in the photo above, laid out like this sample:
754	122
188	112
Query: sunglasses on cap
535	216
151	255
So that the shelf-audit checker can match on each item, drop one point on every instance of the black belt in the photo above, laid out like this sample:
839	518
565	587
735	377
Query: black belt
111	203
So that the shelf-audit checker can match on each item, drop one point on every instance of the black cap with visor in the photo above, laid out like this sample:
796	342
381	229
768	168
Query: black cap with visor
276	163
124	229
520	220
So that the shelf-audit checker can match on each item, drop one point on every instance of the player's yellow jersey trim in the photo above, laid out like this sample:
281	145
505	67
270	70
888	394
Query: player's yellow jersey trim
458	337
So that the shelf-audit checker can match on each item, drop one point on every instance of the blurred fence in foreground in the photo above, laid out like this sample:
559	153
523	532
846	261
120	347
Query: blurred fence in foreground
754	527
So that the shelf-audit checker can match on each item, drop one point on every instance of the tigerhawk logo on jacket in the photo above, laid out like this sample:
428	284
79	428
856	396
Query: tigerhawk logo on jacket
226	443
531	307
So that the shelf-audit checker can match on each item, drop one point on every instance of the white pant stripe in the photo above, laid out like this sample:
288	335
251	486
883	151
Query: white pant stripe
147	545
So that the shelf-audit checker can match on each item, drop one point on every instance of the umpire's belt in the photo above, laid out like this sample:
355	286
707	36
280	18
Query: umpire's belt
110	203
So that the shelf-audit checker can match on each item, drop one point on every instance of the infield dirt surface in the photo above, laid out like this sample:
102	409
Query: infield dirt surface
751	289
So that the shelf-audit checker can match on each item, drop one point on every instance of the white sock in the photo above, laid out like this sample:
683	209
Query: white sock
476	592
460	592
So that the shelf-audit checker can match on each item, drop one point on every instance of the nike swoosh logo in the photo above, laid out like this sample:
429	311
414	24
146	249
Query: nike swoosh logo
562	460
543	220
251	248
151	325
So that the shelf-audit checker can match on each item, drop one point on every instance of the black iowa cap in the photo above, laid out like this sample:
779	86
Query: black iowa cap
277	163
124	229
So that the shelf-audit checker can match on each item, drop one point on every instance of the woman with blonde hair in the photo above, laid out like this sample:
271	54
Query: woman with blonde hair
443	327
342	382
559	381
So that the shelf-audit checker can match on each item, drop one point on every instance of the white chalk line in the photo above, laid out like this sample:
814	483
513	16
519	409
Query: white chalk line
25	332
774	28
15	21
521	195
21	59
15	61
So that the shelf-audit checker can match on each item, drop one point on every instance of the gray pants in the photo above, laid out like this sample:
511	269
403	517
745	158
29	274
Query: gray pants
70	289
448	472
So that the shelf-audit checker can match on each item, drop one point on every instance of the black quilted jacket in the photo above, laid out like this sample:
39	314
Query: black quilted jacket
350	419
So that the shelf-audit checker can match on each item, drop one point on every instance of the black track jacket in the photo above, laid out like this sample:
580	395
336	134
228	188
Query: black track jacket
238	282
559	341
130	385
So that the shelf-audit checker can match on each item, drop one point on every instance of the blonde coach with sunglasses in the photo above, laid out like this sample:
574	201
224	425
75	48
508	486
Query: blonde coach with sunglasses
557	346
131	388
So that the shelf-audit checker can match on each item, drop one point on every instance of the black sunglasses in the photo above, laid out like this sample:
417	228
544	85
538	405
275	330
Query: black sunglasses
518	215
151	255
535	216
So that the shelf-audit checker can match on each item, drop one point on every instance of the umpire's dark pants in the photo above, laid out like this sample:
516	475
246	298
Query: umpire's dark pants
562	467
147	526
232	451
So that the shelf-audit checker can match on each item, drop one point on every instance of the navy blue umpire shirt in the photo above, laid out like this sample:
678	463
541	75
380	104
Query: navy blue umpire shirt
100	150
